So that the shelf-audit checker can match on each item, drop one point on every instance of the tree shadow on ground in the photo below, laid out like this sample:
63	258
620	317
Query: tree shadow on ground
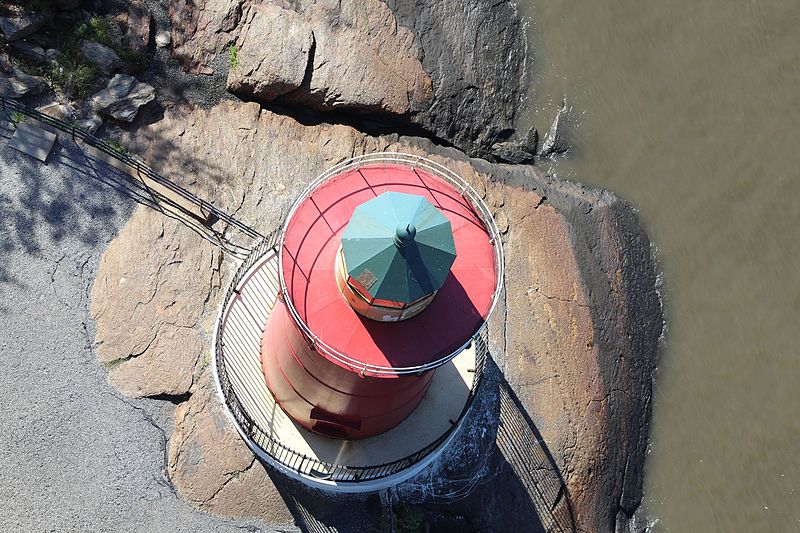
73	199
46	206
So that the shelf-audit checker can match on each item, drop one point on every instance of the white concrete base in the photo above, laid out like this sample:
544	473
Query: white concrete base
242	323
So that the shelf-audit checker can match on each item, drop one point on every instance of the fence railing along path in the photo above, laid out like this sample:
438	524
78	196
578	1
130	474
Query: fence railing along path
172	199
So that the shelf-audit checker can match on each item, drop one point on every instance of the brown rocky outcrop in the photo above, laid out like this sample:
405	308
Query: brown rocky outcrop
212	467
574	341
454	68
345	55
136	24
201	29
273	51
149	307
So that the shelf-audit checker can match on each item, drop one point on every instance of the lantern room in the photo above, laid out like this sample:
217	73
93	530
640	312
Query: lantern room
396	253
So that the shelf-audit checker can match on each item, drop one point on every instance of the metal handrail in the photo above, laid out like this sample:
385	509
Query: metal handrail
301	463
439	171
134	164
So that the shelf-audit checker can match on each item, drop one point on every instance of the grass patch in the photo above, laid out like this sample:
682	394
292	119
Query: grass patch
233	56
19	118
72	74
114	144
98	29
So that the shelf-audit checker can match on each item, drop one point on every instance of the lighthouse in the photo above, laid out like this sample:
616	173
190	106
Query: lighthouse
384	273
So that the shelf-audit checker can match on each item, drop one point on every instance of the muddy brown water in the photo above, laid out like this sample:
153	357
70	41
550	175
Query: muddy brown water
691	111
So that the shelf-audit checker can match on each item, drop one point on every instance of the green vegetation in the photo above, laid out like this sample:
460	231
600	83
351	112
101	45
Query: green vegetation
19	118
114	144
72	74
233	56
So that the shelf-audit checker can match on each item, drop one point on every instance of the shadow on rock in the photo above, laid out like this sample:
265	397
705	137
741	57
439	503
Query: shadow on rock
316	511
498	474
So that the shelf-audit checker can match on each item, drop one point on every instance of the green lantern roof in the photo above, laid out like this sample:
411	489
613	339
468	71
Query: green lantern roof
399	247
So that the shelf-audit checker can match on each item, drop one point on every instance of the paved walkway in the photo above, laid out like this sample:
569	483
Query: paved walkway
74	454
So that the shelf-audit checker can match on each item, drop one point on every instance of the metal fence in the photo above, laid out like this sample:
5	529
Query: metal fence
136	168
298	462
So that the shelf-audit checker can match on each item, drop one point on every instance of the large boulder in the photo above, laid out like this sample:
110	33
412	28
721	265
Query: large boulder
345	55
20	24
29	51
575	339
14	83
201	29
123	97
101	55
364	61
475	52
272	54
136	23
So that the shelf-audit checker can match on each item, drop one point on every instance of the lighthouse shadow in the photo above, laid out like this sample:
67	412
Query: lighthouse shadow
498	474
528	468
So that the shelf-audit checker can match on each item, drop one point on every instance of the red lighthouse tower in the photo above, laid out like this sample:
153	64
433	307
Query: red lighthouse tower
387	272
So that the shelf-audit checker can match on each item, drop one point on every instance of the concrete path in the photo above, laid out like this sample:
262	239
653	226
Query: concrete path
74	454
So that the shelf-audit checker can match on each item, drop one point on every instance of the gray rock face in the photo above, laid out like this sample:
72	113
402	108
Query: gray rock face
511	152
29	51
123	97
14	83
474	51
90	123
21	24
555	141
101	55
273	51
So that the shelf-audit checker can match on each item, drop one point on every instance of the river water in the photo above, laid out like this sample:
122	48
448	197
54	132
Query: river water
691	111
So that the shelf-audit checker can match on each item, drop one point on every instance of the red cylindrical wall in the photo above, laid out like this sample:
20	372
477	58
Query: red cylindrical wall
345	401
325	397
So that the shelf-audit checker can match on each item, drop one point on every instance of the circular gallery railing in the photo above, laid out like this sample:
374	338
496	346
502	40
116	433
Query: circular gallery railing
267	439
440	171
